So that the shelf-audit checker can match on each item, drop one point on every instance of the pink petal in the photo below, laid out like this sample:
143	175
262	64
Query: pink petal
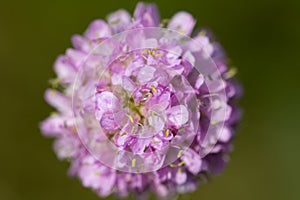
145	74
55	125
107	101
192	160
147	14
178	115
180	178
64	69
108	122
98	29
59	101
182	22
119	20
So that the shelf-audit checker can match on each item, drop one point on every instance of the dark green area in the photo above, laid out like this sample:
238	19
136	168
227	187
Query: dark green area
260	36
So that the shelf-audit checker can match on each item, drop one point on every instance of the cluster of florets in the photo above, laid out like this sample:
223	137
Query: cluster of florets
142	102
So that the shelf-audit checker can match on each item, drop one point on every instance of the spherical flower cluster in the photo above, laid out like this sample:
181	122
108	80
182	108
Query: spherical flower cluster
141	106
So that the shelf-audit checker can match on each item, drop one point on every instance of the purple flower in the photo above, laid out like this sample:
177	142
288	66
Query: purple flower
141	107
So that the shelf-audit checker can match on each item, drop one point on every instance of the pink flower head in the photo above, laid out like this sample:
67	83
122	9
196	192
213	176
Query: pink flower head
142	106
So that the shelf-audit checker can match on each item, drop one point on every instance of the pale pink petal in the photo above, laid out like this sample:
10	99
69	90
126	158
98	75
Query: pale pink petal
182	22
147	14
98	29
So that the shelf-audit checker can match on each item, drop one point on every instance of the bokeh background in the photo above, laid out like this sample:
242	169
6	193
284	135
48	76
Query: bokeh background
260	36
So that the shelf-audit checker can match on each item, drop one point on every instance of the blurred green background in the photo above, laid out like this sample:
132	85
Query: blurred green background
260	36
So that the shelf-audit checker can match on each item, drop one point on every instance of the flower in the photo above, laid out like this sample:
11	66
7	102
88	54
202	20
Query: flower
141	106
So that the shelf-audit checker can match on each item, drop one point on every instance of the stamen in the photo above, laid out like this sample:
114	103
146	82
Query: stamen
53	92
179	154
152	116
123	134
146	148
181	163
155	140
164	23
141	165
153	89
55	83
181	31
146	96
115	22
172	165
167	132
94	51
131	118
132	129
213	122
231	73
202	33
53	113
99	41
133	162
73	128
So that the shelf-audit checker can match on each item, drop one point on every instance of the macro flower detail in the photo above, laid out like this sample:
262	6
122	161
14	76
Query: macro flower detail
143	105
